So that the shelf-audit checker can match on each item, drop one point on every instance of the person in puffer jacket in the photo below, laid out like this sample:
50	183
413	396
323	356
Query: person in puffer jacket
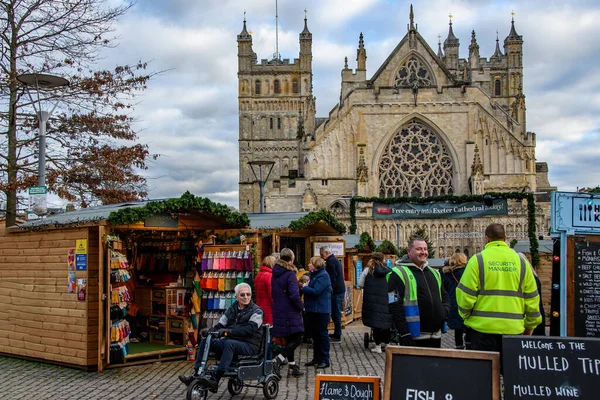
287	309
317	302
262	288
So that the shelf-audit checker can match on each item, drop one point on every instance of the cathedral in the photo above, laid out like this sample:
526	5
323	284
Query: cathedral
425	123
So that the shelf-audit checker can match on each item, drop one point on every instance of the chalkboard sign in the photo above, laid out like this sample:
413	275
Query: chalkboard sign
342	387
587	289
413	373
551	367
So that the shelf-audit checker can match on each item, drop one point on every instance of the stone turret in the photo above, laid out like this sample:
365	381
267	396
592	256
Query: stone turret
473	52
451	45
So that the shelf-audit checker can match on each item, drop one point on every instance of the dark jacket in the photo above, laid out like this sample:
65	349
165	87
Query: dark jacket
317	294
244	324
540	330
287	305
432	309
375	310
336	274
451	278
264	297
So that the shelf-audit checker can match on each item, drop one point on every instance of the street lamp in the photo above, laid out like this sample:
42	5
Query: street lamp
41	82
258	166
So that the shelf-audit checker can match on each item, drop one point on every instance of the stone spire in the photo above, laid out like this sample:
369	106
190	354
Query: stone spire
305	34
513	36
244	35
439	53
362	171
451	45
412	19
477	185
498	53
473	52
361	54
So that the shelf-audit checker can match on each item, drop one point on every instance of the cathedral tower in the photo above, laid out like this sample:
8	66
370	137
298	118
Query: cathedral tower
276	116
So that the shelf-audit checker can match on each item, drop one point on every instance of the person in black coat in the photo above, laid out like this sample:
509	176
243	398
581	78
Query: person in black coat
336	275
451	279
375	310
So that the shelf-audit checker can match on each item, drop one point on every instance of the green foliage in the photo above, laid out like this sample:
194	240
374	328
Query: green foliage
187	202
534	246
513	243
387	247
314	218
365	242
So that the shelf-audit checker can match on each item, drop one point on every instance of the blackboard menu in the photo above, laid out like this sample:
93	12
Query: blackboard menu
346	387
551	368
441	374
587	289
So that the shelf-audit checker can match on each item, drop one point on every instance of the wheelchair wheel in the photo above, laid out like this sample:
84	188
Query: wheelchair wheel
235	386
271	387
196	391
366	341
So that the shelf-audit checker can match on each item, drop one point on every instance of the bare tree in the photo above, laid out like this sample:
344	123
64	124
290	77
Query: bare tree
92	154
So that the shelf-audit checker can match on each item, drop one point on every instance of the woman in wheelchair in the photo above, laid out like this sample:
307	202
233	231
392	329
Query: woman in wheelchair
238	333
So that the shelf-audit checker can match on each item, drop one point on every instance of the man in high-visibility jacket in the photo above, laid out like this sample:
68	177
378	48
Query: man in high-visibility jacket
497	294
417	299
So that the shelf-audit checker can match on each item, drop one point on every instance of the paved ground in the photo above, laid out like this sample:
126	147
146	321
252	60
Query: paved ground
24	379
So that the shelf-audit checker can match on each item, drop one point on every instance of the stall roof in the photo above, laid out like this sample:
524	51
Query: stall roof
135	212
83	215
306	223
545	246
274	220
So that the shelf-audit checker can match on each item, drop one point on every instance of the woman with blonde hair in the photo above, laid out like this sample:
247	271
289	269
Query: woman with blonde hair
451	278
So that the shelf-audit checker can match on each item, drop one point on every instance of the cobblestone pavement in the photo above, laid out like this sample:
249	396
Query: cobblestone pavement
21	379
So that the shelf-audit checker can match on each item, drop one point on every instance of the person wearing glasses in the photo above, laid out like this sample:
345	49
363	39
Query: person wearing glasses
238	333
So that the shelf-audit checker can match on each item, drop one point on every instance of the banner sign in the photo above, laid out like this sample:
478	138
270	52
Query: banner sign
437	210
337	248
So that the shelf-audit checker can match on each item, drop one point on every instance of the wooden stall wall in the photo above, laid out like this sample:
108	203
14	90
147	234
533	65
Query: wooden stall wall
95	265
38	317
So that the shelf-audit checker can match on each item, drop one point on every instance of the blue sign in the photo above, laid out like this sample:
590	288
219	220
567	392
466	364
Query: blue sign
359	271
81	262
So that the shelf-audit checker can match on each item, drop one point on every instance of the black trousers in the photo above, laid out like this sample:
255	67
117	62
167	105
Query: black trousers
291	343
432	343
486	342
381	336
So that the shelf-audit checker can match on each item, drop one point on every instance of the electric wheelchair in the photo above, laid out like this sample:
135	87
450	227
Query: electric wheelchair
259	368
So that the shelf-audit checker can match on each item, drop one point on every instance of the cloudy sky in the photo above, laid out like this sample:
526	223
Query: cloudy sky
189	113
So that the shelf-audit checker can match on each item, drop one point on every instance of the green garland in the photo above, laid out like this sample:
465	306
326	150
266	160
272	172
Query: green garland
531	226
187	202
387	247
314	218
365	242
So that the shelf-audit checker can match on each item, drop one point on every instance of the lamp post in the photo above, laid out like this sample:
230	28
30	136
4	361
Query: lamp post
41	82
257	166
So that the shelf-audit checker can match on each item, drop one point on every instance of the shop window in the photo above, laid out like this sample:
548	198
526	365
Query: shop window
295	87
257	87
276	87
497	88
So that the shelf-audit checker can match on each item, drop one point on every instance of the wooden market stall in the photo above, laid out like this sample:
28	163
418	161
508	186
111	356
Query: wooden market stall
75	286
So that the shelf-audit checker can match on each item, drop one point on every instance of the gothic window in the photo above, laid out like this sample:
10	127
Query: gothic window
497	88
415	163
257	87
413	73
276	88
271	123
295	86
337	209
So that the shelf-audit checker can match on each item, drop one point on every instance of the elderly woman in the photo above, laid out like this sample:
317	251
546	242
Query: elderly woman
287	309
262	288
317	303
451	278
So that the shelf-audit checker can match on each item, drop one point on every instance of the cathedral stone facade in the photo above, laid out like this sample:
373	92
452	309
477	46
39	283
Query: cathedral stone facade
426	123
